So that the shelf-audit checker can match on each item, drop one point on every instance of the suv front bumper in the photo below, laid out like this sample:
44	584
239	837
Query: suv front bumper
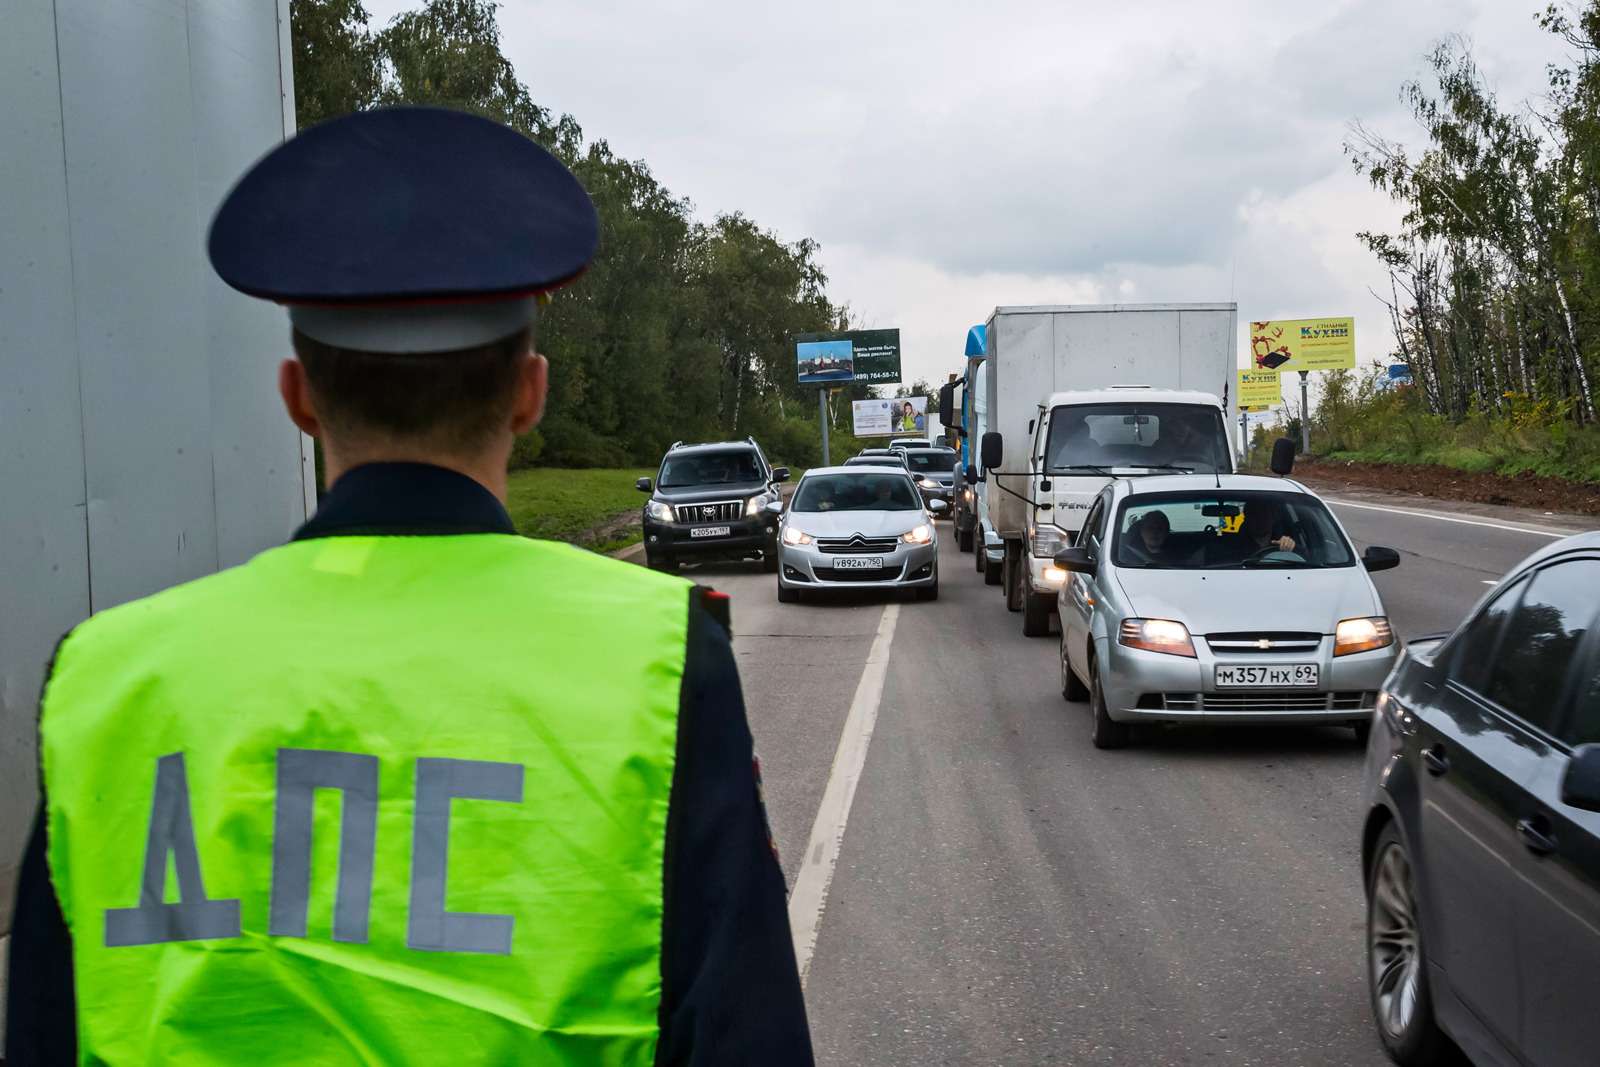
745	537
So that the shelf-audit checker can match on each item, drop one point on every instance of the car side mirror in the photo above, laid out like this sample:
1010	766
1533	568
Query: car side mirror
1378	558
1282	457
970	475
773	507
937	506
780	474
1580	786
1075	559
947	405
644	485
992	450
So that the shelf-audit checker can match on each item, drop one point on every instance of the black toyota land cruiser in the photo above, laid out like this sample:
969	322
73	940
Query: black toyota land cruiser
710	501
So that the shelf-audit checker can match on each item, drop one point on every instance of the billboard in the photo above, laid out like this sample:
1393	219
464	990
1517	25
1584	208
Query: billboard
1259	389
1303	344
871	356
890	416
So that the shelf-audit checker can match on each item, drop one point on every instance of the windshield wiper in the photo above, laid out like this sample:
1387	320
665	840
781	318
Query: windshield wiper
1273	563
1157	467
1097	468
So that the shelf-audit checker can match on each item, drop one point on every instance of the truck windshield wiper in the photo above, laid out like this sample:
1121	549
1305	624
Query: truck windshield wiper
1098	469
1157	467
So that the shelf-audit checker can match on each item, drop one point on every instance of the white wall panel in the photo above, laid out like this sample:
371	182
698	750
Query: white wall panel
141	440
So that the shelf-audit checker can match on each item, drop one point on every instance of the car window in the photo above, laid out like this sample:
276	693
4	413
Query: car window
1542	637
931	461
856	492
710	468
1583	726
1473	647
1221	530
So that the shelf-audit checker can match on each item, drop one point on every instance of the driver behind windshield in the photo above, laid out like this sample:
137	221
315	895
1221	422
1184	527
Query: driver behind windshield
1183	444
1259	534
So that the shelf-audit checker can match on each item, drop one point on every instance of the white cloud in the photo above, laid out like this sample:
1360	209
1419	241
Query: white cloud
952	156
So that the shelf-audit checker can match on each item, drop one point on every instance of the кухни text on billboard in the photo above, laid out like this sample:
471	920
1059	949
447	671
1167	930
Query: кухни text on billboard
1288	345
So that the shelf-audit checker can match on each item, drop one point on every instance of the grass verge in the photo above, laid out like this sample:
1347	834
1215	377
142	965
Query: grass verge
577	506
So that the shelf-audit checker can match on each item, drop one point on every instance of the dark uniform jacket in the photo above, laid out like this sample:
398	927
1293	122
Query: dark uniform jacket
730	990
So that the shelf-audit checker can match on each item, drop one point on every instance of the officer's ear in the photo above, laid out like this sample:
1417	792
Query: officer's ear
533	385
297	401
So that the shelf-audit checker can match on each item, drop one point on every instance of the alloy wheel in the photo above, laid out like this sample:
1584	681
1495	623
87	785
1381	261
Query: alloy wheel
1394	947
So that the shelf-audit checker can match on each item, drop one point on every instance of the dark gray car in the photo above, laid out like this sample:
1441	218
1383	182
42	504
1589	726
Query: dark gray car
1481	847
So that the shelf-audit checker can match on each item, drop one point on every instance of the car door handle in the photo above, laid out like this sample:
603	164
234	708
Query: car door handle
1435	760
1534	837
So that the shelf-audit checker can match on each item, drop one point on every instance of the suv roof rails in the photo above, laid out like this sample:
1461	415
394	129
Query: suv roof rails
673	445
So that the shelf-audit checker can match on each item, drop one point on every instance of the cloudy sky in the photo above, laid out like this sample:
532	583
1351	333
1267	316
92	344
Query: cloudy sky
954	156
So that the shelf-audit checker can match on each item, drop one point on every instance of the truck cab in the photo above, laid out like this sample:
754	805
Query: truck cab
1080	442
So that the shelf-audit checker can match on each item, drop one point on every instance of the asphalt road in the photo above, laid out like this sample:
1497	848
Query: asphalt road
1007	894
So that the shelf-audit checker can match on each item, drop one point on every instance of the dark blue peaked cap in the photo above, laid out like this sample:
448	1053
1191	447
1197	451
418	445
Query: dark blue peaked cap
405	229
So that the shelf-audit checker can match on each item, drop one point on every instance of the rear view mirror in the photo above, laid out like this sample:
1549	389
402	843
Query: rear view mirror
1378	558
773	507
1075	559
1580	787
1220	511
992	450
937	506
644	485
780	474
1282	457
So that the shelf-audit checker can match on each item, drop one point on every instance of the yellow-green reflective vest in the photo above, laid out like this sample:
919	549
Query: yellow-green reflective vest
376	800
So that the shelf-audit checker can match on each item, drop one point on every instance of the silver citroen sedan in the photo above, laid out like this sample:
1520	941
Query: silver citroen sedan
1220	599
858	527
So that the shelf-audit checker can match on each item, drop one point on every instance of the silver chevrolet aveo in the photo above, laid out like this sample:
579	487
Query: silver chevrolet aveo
858	527
1232	599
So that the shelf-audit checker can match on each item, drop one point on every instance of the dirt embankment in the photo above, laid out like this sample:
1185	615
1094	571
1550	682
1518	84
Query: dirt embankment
1447	483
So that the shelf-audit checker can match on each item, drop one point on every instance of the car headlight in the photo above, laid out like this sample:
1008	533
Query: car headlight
659	511
918	535
793	535
1362	635
1157	635
1048	540
753	506
927	483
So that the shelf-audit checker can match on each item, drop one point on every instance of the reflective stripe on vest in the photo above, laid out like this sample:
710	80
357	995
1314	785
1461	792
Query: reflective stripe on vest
377	800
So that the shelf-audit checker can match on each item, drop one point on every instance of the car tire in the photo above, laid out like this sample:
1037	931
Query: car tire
1072	688
1011	578
1396	961
1035	615
769	562
660	563
1363	730
788	594
978	551
1108	732
992	571
964	540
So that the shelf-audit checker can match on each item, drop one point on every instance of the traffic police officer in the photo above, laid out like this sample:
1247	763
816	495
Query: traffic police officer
409	789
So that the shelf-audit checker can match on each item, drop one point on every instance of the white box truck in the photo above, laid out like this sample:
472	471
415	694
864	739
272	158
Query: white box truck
1078	395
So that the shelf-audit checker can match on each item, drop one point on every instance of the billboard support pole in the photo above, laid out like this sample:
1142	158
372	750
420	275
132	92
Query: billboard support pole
822	414
1244	437
1305	418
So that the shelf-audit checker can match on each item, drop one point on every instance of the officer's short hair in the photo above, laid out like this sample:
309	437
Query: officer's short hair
453	401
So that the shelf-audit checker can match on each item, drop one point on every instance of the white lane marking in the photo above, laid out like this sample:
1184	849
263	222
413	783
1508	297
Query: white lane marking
811	883
1530	530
